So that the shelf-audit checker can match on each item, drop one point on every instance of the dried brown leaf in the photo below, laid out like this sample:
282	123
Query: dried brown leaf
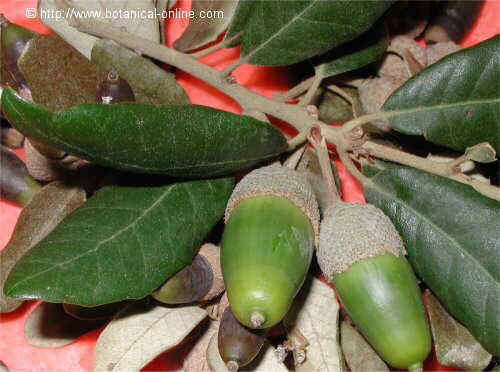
201	31
146	27
358	354
48	325
58	76
454	345
196	359
39	217
150	83
142	331
315	316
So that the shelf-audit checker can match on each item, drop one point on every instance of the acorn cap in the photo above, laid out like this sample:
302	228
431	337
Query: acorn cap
279	181
352	232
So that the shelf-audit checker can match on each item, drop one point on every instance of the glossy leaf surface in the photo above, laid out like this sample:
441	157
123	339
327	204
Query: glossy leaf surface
452	235
123	243
38	218
454	102
277	34
184	141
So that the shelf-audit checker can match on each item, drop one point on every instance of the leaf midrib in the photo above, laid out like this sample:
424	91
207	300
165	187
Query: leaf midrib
430	222
281	30
93	250
393	113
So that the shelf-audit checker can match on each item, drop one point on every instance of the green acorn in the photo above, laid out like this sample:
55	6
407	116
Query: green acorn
362	254
16	184
272	224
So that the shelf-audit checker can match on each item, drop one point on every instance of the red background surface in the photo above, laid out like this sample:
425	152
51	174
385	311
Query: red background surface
14	350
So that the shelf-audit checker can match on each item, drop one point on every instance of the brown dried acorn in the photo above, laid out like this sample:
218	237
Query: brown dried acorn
454	20
16	184
114	89
272	223
200	281
238	345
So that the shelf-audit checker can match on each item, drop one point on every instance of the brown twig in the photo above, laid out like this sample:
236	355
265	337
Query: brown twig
214	48
295	91
319	143
440	169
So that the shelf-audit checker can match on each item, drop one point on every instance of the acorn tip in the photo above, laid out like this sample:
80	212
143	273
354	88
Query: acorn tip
257	319
232	366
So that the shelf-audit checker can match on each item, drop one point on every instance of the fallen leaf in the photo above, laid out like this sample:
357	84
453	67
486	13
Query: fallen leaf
196	359
142	331
201	31
49	326
358	353
58	76
454	345
118	12
315	316
150	83
39	217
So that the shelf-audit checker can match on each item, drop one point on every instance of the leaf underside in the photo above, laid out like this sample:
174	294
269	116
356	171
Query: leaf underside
123	243
274	34
454	102
201	31
189	141
452	235
141	332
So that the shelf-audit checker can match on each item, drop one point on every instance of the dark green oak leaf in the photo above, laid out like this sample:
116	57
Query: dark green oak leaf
123	243
452	235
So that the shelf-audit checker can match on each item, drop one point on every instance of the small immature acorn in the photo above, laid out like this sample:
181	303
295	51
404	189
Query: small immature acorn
13	41
362	254
16	184
114	90
272	225
200	281
238	345
454	20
